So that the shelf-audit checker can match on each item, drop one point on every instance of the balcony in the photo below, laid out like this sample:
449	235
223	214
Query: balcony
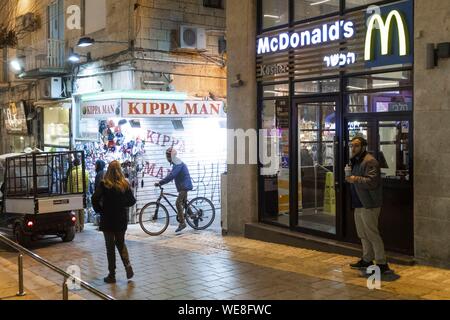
52	63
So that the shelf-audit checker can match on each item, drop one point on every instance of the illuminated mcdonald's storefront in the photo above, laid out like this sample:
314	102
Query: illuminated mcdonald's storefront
328	71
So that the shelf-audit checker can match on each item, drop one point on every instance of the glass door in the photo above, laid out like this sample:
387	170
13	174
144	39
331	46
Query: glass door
390	142
275	177
317	165
394	150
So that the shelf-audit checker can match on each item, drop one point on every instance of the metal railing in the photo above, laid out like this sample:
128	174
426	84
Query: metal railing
55	53
65	289
49	53
44	174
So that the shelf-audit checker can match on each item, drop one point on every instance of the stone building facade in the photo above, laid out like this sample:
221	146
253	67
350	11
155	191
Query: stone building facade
430	195
431	116
137	46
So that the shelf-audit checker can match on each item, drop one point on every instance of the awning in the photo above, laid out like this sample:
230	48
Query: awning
133	94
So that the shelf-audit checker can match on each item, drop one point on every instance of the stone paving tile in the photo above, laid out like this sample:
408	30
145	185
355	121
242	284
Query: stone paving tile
242	290
35	286
160	297
217	289
204	265
223	296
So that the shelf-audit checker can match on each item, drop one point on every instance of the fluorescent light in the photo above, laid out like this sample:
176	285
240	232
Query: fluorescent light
74	57
386	84
271	16
15	64
155	83
355	88
319	2
85	45
276	91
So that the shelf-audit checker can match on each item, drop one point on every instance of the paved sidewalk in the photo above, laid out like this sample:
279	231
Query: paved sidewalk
9	287
205	265
36	287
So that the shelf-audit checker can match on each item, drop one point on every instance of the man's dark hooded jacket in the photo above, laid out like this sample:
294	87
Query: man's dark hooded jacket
368	184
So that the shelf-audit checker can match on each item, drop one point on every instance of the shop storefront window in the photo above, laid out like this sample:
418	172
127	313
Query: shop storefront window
18	144
317	86
317	154
389	141
394	149
276	90
387	101
305	9
56	128
380	81
275	125
358	129
275	13
345	78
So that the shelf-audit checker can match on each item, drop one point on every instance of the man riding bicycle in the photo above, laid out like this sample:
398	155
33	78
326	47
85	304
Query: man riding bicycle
183	182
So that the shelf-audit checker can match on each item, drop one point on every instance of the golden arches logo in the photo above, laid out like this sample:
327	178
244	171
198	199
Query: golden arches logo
386	34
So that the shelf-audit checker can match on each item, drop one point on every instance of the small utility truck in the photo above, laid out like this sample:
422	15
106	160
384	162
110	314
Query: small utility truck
40	195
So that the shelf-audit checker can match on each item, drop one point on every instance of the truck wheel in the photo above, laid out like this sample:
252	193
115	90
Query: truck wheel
20	237
69	235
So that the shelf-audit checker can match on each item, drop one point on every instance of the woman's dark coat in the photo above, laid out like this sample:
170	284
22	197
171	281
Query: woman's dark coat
113	207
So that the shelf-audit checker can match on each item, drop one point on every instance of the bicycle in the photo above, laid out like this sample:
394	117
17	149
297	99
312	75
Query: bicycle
154	217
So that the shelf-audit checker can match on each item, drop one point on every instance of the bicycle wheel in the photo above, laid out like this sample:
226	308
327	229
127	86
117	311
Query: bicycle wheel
154	219
200	213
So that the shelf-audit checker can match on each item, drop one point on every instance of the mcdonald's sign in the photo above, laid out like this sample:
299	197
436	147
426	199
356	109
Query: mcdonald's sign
388	36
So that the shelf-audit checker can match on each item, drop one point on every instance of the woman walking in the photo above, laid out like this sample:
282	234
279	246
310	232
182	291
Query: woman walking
111	200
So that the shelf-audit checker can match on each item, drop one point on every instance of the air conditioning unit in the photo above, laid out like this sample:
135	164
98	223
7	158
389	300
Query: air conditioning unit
29	22
51	88
193	38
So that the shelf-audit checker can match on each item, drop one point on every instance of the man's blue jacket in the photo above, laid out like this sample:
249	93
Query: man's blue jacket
180	173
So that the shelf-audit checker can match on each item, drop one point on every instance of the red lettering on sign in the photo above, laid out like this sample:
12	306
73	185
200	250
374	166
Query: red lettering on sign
149	169
153	108
150	134
191	109
144	108
204	109
164	107
159	136
155	138
166	139
215	108
174	109
133	108
160	173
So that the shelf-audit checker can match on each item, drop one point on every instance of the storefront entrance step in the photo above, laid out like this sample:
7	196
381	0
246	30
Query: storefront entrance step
279	235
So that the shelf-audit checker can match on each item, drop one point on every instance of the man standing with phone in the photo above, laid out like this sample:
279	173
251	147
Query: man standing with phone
366	190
